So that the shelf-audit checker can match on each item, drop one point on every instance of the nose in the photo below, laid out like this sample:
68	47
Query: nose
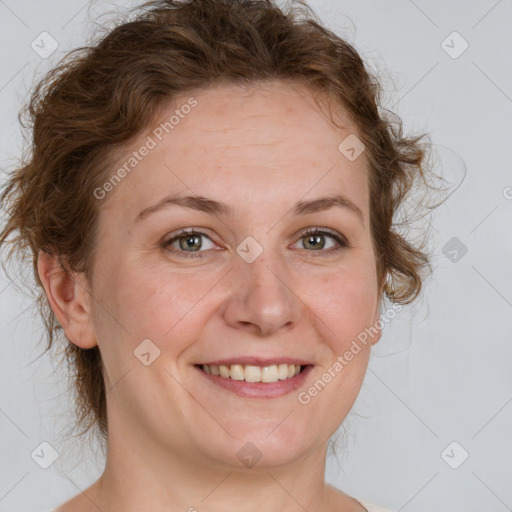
261	300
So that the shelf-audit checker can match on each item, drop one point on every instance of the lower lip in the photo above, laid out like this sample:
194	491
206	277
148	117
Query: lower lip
258	389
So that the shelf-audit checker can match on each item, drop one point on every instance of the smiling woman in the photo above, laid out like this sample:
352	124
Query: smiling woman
236	264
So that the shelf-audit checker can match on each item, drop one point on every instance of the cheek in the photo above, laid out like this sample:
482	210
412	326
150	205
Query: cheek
345	293
139	301
345	304
149	302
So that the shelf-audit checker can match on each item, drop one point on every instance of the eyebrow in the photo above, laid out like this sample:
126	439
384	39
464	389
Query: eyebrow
213	207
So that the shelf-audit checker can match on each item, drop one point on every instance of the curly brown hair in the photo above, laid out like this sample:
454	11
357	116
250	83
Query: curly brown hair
101	96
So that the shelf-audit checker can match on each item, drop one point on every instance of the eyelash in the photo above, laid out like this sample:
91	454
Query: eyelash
340	239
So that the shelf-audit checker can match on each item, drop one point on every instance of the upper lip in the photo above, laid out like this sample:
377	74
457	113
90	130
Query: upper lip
258	361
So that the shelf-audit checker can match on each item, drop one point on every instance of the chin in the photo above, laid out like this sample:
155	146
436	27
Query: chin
254	449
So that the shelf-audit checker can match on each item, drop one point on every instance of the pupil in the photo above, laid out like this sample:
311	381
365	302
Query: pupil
316	240
191	242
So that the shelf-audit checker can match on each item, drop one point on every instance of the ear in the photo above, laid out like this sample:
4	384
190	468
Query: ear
69	299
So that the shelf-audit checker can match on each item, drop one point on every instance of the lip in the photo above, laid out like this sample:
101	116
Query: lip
262	390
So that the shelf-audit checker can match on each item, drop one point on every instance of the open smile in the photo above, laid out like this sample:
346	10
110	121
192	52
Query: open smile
256	381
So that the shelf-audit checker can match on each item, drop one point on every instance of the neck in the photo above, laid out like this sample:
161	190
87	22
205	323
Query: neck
141	476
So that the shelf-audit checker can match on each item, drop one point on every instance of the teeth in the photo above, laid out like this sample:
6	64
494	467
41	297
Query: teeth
282	371
270	373
251	373
236	372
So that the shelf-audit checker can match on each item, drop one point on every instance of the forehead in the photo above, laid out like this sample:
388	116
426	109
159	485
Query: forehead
269	140
261	113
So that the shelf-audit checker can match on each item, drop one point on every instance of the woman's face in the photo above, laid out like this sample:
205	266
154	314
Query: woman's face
249	286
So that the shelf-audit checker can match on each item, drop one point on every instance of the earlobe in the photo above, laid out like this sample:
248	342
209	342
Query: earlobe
68	298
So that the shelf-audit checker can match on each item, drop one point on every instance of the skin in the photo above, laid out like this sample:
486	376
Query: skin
173	435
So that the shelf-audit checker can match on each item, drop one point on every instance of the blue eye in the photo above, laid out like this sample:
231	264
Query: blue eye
189	242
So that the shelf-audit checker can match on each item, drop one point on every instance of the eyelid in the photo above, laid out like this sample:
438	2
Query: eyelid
174	236
340	237
337	236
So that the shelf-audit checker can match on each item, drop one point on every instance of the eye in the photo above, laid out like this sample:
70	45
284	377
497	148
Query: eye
314	240
188	241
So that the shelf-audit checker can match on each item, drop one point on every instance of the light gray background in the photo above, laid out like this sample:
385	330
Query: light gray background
442	370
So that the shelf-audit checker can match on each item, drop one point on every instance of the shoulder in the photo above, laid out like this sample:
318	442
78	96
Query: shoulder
371	507
340	500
